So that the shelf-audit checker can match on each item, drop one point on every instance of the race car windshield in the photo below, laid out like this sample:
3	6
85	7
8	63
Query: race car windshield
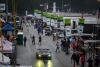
43	51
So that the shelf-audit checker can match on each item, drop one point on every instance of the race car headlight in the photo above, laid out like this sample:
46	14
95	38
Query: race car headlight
48	55
39	55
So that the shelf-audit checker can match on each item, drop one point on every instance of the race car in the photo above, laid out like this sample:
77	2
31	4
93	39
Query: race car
43	54
47	30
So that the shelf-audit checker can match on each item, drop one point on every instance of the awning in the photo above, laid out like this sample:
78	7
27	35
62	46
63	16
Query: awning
8	28
7	47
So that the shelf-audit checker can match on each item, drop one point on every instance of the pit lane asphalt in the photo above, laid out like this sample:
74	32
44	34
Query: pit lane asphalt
27	55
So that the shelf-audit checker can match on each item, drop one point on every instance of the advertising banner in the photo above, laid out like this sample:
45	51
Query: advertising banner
48	21
81	25
52	22
2	6
80	29
55	23
43	19
68	31
39	16
62	25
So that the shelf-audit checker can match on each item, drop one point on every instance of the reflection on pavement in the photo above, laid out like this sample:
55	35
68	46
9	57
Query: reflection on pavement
40	63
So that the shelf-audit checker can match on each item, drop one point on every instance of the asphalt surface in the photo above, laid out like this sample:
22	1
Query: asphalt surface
27	55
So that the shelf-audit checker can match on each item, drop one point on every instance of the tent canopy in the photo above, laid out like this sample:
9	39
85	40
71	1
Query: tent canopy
8	28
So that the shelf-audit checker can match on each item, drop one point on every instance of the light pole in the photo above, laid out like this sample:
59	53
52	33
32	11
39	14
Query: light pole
62	5
1	40
15	13
7	7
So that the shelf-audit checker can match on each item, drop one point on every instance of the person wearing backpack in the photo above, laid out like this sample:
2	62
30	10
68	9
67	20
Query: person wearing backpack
82	60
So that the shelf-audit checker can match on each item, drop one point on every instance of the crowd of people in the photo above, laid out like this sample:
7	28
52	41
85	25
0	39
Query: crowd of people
79	54
67	44
39	28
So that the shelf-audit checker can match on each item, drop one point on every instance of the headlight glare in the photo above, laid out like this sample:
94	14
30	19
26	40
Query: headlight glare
39	55
49	55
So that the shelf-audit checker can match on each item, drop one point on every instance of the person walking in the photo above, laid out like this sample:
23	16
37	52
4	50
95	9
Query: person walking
58	47
66	46
55	36
82	60
25	39
34	25
41	29
40	39
62	43
43	32
33	40
77	59
68	41
38	30
90	62
74	46
96	61
8	37
73	58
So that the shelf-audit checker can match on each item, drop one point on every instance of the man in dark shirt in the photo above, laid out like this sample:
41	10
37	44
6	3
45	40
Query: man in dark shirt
40	39
73	58
96	61
33	40
25	39
90	62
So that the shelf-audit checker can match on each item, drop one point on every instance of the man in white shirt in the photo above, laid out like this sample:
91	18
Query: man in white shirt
43	32
54	36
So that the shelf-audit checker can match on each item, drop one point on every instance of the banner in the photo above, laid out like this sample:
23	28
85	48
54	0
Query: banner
68	31
48	21
39	16
43	19
2	6
80	29
67	21
52	22
81	21
36	15
55	23
62	25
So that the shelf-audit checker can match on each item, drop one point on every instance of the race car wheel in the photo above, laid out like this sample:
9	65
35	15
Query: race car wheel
36	56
